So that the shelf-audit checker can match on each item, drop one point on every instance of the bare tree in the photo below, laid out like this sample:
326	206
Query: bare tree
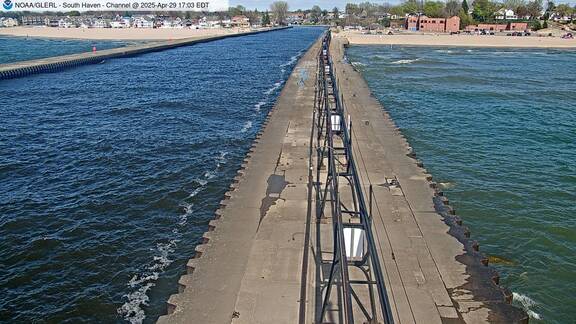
513	4
280	10
452	8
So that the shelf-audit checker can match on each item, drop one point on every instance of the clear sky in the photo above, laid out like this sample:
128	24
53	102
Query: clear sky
324	4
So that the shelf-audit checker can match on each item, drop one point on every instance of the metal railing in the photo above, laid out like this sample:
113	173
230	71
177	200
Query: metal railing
355	271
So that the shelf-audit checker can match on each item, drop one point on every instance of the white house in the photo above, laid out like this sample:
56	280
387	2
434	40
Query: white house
8	22
66	23
506	14
100	23
143	22
118	24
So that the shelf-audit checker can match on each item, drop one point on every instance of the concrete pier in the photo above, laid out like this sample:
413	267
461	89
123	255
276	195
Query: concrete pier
434	272
52	64
264	257
250	268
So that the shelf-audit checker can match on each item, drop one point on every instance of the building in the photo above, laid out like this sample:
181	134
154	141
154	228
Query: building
435	25
295	18
8	22
143	22
66	23
518	26
511	26
101	23
52	21
32	21
505	14
240	21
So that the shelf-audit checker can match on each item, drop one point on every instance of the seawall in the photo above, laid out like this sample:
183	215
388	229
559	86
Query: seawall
53	64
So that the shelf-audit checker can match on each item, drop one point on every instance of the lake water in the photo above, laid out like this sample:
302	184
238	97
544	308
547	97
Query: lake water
14	49
497	129
110	173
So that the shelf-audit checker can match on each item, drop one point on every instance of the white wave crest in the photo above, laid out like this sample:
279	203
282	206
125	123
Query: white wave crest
527	304
246	127
292	60
259	105
132	310
356	64
405	61
276	86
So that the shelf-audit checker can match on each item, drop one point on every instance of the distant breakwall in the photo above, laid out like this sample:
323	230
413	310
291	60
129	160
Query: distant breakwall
58	63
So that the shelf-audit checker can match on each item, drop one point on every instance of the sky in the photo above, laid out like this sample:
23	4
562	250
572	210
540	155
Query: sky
301	4
324	4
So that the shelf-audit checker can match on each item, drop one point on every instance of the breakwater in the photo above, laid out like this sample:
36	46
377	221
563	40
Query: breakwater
53	64
267	256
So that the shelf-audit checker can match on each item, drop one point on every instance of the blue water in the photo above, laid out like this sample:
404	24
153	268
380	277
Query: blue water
110	173
14	49
497	129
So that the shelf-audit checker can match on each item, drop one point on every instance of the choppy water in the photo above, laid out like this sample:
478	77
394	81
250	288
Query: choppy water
497	128
14	49
110	173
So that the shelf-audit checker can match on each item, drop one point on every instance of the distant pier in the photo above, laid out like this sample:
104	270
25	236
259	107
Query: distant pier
53	64
332	219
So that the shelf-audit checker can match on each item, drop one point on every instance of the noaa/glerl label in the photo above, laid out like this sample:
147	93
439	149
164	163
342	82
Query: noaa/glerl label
113	5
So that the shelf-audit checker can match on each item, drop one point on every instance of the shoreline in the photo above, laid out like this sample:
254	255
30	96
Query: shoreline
444	40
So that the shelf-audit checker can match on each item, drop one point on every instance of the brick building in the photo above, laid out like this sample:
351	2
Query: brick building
512	26
435	25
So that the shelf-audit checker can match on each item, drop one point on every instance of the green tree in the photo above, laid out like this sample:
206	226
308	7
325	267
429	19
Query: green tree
397	10
535	25
434	9
335	12
266	19
550	7
484	10
410	6
465	6
465	19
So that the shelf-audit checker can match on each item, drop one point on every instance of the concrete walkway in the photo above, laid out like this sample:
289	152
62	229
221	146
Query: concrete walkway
250	269
264	257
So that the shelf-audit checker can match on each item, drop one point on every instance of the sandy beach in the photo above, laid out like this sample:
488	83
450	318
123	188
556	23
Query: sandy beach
356	38
116	33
